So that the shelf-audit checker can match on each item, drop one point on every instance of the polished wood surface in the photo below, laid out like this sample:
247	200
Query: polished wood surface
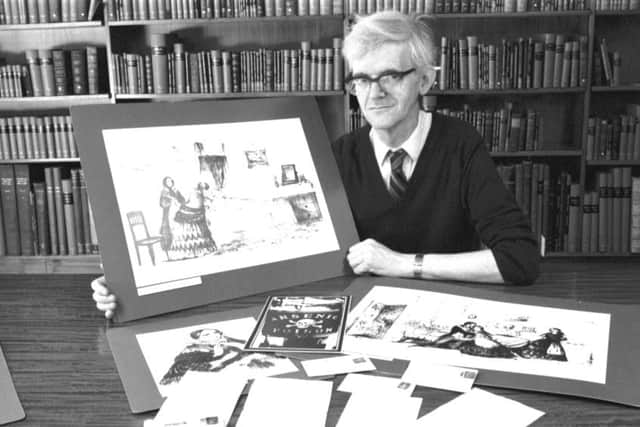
54	341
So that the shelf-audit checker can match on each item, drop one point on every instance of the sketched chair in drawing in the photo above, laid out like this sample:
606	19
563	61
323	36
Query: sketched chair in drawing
140	234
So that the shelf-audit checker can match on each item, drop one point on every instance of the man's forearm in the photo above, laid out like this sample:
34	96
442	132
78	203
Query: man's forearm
476	266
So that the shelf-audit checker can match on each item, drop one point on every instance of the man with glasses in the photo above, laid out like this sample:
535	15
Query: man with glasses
421	186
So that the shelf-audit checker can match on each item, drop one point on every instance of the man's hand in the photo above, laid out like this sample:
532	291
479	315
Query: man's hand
105	300
369	256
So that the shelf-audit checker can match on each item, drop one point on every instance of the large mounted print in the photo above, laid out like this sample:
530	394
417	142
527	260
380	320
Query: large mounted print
481	333
514	339
204	201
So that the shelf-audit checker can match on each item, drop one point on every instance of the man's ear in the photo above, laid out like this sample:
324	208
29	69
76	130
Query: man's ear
427	77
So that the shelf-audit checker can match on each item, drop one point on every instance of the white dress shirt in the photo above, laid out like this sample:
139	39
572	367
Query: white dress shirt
413	146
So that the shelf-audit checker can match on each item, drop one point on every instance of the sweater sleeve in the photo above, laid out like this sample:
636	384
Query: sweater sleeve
498	219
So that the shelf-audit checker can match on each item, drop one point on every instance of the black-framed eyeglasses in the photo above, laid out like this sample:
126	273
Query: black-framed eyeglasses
360	83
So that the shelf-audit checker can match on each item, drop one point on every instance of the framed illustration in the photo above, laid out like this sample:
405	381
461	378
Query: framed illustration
204	201
515	340
309	324
481	333
153	356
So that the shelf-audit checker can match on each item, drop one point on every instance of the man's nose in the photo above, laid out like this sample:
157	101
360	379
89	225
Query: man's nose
376	90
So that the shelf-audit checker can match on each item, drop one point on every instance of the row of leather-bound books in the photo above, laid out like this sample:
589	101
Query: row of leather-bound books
52	72
223	71
35	137
45	212
539	61
15	12
125	10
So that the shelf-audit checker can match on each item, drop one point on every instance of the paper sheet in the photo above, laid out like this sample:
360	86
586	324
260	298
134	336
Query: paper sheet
337	365
199	397
10	407
444	377
480	408
355	383
285	402
380	410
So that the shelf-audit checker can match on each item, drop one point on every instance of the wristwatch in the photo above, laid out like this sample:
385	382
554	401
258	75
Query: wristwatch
417	265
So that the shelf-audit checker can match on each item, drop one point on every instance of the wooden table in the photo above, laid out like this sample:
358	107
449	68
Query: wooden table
55	345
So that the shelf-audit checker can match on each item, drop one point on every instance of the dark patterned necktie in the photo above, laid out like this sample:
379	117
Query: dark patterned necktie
397	180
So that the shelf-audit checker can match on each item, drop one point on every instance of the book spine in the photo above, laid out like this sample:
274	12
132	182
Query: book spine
69	220
227	74
25	213
132	73
84	202
5	147
616	213
180	69
606	64
574	79
328	69
635	214
306	65
68	129
60	72
558	60
565	79
218	78
79	71
587	217
472	43
9	210
43	11
338	65
574	219
65	6
93	71
94	235
464	63
603	220
625	216
77	211
51	211
52	153
46	67
60	217
34	72
159	63
18	132
615	69
549	60
27	131
44	247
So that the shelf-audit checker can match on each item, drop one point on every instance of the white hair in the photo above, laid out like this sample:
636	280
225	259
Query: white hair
373	31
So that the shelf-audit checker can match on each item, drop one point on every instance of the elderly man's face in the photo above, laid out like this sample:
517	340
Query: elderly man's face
394	108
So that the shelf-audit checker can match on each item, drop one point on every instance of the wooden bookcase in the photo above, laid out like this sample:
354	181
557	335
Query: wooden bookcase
565	135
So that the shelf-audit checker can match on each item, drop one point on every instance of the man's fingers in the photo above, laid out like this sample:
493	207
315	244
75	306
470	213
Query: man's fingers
108	314
106	306
99	285
97	297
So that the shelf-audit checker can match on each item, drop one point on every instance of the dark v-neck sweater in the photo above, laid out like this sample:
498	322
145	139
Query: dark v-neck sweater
454	196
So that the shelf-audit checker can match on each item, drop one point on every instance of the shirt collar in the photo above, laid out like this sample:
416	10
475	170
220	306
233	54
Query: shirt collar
412	145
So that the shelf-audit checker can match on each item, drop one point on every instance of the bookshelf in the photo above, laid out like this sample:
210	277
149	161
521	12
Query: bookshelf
566	110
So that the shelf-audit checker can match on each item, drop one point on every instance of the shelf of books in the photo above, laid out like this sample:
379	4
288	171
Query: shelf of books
230	95
54	57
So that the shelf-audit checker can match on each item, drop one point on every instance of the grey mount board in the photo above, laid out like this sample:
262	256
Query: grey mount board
10	407
90	120
623	369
